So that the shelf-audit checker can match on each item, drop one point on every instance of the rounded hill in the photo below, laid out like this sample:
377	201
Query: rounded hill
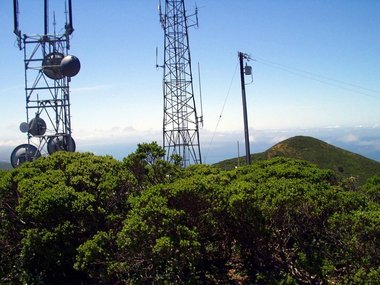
320	153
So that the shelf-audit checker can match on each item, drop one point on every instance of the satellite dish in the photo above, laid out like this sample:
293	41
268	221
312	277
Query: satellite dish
51	65
37	126
70	65
61	143
24	153
24	127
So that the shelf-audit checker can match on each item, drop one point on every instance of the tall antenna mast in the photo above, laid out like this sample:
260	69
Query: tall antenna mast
180	123
48	72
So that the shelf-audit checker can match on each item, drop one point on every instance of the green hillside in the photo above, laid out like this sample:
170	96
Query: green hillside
318	152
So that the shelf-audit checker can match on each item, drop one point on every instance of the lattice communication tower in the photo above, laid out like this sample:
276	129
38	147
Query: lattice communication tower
48	72
180	123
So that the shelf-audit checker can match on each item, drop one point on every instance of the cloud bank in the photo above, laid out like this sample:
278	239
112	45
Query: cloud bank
119	141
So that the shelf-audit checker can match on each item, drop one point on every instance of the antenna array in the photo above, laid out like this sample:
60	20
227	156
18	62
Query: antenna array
180	123
48	72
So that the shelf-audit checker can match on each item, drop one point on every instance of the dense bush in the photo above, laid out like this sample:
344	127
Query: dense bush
74	218
59	202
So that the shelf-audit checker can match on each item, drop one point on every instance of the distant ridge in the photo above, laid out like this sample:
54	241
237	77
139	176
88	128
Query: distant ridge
320	153
5	165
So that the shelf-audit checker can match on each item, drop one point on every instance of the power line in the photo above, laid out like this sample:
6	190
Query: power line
221	112
322	79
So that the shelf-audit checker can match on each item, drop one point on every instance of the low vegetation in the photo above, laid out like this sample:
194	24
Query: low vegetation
77	218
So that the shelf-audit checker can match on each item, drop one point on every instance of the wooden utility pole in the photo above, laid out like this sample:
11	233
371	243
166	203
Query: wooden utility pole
243	56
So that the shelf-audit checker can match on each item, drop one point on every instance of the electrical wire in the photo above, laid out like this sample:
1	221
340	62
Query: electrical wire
322	79
221	112
302	73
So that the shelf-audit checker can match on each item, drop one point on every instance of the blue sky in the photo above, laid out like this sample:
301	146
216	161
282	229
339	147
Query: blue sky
316	67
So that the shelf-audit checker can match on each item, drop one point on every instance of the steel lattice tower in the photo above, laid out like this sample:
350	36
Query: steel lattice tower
180	123
48	71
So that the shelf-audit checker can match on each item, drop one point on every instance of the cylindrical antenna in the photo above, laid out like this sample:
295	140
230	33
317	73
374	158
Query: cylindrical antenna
162	18
15	17
16	27
54	23
196	16
66	13
200	93
46	16
71	17
157	57
69	22
157	65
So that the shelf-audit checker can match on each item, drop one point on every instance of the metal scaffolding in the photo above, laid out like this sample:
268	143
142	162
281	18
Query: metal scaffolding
180	123
48	71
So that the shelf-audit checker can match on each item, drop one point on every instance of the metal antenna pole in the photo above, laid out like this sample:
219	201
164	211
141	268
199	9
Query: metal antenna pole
48	72
46	17
243	56
180	123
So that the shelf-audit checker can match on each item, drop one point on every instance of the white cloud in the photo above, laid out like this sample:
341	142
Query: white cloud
120	139
333	127
115	134
12	142
373	144
349	138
